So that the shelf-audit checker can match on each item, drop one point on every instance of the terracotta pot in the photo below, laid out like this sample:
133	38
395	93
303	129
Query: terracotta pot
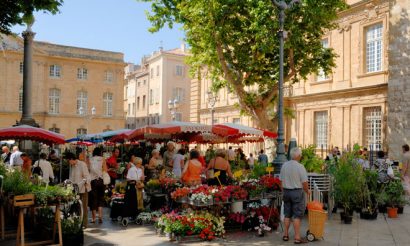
392	212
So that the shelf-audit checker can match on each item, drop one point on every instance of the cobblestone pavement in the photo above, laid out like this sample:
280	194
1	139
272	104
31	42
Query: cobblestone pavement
383	232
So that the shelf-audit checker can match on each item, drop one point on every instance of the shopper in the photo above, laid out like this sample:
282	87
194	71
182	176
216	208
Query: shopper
405	172
153	166
134	176
221	165
80	176
96	195
47	173
178	163
26	168
294	183
251	161
262	158
113	166
191	175
169	156
5	156
15	160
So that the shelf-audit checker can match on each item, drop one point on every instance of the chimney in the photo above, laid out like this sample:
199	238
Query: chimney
183	46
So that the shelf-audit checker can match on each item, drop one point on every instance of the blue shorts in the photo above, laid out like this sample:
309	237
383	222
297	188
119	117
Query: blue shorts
294	203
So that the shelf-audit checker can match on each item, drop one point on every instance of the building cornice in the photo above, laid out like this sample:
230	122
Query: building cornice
338	93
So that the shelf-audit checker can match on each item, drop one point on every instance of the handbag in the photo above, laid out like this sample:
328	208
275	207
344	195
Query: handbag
106	178
390	172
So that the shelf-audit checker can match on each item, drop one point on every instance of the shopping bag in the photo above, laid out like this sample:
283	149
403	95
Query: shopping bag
282	211
106	178
390	172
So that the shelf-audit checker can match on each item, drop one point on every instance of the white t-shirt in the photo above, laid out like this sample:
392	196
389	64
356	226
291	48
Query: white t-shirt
251	161
293	175
176	160
134	173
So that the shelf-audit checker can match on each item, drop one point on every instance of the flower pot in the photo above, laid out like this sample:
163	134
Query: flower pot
400	210
237	207
366	215
392	212
348	219
73	239
342	216
382	209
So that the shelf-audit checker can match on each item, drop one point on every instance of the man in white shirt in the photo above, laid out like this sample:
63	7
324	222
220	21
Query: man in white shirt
15	160
294	183
46	168
231	154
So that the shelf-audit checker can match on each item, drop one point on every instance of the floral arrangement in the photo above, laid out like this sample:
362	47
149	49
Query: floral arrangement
201	198
203	224
169	183
270	183
71	225
221	194
153	184
149	217
238	193
238	218
254	205
180	193
262	227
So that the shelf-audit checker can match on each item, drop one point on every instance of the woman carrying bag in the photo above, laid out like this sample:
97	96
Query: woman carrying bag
221	165
96	195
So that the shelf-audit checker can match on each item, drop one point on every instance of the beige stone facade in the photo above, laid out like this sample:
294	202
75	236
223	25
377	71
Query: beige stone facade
349	105
161	77
398	119
65	78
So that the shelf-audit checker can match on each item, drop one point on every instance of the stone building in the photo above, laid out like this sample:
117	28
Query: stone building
161	77
349	105
67	83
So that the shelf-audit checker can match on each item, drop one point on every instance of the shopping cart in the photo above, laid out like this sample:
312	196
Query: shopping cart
317	221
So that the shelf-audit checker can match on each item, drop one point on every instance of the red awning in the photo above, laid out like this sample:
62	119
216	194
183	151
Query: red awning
25	132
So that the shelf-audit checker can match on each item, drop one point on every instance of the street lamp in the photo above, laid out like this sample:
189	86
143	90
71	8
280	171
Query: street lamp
83	112
212	99
173	106
280	150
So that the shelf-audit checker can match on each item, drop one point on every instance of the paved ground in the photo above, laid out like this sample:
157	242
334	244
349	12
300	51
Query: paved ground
383	232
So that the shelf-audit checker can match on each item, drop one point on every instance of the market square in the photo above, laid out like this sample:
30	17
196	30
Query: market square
209	122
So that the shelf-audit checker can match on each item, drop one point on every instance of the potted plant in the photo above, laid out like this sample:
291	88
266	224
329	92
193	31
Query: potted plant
312	162
393	196
347	185
370	193
153	186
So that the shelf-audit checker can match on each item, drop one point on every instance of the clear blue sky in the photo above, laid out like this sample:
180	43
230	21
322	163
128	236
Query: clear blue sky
114	25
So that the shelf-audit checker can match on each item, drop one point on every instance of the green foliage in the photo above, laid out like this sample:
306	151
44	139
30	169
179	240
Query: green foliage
17	12
17	183
71	225
237	43
393	194
258	171
312	162
348	181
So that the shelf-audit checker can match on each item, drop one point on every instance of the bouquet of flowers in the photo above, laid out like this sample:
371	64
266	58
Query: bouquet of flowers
270	183
221	194
180	193
262	227
201	198
238	193
168	183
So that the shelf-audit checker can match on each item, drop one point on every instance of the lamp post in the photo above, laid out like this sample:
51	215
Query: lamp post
280	150
173	106
212	99
87	117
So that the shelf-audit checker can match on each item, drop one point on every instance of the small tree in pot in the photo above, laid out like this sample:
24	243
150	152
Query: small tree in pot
393	196
348	178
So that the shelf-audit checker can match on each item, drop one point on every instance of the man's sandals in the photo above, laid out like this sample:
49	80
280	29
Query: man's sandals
300	241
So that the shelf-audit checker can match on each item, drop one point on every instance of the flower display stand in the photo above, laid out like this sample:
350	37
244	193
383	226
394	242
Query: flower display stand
27	202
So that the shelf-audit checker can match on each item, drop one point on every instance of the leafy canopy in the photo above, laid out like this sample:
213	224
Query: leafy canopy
17	12
236	40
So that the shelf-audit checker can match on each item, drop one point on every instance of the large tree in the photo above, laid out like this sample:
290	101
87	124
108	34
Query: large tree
17	12
236	40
